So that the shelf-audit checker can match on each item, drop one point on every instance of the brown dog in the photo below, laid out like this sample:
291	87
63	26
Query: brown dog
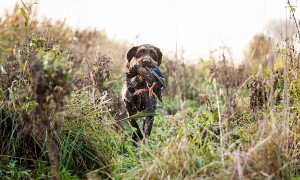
139	102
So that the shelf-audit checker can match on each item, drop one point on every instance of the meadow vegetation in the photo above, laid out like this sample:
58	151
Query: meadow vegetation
61	116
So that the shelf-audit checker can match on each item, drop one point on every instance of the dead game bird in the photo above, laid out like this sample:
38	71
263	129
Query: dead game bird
149	71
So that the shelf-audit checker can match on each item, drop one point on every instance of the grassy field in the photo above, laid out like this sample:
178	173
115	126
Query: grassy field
61	116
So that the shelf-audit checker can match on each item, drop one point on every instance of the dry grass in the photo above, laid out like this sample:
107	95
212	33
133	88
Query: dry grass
59	102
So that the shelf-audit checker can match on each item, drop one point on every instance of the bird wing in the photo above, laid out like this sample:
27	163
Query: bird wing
158	76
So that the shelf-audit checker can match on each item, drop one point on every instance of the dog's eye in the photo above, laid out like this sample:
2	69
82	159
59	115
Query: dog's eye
153	55
141	52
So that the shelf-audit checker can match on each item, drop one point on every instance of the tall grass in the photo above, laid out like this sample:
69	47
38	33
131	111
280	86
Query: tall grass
50	123
228	123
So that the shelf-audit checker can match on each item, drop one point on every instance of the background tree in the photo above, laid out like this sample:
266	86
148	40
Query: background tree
258	55
258	52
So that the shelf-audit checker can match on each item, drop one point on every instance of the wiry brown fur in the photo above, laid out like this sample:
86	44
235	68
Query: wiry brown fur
140	102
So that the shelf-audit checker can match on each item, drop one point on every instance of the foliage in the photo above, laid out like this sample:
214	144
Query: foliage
37	78
61	116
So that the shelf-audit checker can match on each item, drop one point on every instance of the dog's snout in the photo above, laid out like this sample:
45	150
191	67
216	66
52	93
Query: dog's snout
147	59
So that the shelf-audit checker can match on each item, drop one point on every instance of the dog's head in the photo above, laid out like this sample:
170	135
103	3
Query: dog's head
144	52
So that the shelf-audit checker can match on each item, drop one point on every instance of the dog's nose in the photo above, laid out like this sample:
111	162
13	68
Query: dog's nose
147	59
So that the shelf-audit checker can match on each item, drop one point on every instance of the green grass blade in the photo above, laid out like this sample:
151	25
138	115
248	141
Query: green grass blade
141	114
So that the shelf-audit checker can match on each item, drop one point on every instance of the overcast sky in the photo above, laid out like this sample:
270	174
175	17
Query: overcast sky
196	25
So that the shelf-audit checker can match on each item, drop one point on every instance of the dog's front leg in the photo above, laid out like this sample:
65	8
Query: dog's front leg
136	134
147	125
150	103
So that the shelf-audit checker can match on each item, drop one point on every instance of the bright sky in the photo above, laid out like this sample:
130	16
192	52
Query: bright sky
196	25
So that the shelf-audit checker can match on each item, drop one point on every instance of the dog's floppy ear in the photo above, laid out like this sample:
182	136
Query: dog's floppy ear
131	53
159	55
